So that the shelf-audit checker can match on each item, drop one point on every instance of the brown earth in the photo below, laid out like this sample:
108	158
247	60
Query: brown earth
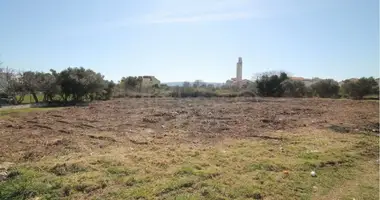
32	136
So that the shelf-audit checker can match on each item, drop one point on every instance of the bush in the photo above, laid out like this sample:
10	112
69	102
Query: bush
326	88
293	88
185	92
247	94
357	89
270	85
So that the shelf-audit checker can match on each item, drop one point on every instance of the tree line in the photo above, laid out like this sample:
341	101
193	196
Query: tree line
77	84
280	85
70	85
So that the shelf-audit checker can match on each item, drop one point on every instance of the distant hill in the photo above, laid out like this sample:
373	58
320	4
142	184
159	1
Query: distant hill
172	84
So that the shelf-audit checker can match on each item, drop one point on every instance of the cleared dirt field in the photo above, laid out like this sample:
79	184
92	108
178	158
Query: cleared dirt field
243	148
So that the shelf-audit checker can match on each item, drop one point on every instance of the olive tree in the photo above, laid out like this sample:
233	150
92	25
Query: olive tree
269	84
326	88
293	88
358	88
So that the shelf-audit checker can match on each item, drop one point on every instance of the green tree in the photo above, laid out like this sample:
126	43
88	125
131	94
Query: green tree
79	83
293	88
326	88
31	81
11	85
48	86
131	83
269	84
357	89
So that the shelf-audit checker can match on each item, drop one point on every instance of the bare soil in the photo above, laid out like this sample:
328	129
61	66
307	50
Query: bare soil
167	121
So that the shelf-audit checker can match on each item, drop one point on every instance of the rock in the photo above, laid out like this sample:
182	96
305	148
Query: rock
4	166
313	174
315	188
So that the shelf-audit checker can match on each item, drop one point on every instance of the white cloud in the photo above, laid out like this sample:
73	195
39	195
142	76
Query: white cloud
182	11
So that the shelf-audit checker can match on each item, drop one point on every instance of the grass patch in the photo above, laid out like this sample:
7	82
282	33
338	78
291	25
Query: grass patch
64	169
19	111
28	99
345	164
28	184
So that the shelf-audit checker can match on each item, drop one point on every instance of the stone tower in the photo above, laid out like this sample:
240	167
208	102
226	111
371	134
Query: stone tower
239	72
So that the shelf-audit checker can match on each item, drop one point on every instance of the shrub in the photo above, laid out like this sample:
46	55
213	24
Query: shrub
247	94
270	85
326	88
293	88
357	89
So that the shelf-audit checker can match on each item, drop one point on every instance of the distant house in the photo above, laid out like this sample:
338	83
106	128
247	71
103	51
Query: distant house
234	82
307	81
149	81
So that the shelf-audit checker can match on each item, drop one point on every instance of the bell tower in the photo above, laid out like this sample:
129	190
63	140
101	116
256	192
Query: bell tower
239	72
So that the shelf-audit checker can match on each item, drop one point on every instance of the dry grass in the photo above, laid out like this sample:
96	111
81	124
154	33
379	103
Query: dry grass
4	112
193	149
231	169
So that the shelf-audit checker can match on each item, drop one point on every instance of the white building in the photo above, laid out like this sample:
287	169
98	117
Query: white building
238	80
239	72
148	81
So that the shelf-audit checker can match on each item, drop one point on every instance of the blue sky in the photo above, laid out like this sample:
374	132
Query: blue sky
184	40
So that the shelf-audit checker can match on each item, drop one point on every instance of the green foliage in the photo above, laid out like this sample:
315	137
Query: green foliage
191	92
110	86
131	83
326	88
164	87
23	186
74	84
357	89
309	92
33	82
269	85
293	88
79	83
48	86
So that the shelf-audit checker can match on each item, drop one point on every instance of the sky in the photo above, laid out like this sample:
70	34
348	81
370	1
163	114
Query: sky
187	40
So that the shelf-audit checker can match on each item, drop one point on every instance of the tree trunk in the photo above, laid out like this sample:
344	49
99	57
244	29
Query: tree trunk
21	99
45	98
35	97
50	97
